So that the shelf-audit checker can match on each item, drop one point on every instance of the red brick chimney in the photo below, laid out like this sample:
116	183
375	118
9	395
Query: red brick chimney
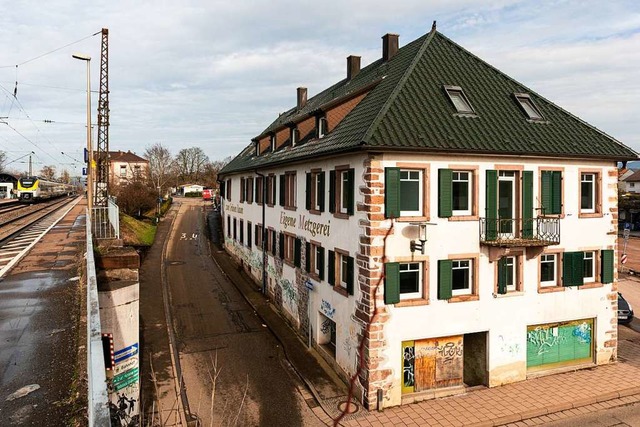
353	66
302	97
389	46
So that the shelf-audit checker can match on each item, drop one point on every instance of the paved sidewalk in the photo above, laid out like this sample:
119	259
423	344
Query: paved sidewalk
538	401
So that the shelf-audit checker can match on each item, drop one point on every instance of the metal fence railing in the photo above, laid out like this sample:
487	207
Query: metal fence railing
528	232
98	401
106	221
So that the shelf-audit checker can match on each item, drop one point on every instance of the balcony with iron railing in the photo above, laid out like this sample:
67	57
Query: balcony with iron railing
529	232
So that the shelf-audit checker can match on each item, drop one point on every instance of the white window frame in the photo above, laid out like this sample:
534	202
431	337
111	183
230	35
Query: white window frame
459	264
315	182
545	259
322	127
343	270
344	190
407	267
123	171
316	250
593	182
590	255
512	261
420	192
469	180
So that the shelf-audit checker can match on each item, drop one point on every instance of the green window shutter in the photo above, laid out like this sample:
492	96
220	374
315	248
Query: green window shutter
307	260
350	278
308	198
223	187
351	181
332	191
502	276
274	242
332	268
282	190
445	279
556	192
297	254
527	204
249	236
281	252
445	194
320	195
607	266
321	262
572	268
491	208
546	192
391	283
392	192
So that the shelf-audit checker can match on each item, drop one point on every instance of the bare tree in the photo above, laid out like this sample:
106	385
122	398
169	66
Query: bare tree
190	163
160	165
48	172
211	171
65	177
3	160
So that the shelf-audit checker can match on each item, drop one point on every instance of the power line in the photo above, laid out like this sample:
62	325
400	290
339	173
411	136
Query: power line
51	51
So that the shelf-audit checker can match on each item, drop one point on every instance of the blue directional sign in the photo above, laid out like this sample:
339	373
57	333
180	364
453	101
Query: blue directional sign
126	353
627	226
84	171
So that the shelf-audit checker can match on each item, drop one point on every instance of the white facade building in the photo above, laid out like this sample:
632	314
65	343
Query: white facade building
451	224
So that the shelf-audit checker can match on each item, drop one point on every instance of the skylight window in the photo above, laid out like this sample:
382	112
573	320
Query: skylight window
459	99
528	106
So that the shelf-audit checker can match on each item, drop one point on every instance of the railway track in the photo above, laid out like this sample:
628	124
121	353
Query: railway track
14	219
17	239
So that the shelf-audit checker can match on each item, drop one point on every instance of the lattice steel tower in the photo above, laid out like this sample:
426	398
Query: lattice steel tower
102	150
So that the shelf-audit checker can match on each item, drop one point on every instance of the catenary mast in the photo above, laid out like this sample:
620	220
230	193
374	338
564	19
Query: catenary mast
102	151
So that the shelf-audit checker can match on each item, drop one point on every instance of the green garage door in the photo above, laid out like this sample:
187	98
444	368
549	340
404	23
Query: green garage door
557	344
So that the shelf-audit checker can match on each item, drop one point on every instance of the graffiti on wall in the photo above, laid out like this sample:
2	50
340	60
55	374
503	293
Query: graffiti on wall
408	358
327	309
544	339
508	347
583	332
123	386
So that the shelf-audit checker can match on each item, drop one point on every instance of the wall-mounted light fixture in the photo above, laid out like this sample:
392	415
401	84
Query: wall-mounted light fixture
422	236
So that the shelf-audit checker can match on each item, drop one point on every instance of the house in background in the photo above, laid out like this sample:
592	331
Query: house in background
7	185
190	188
126	166
630	181
434	208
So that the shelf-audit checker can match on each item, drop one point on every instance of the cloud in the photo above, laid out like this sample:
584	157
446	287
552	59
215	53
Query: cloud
215	74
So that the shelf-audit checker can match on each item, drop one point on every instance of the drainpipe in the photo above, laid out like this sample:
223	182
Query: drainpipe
265	257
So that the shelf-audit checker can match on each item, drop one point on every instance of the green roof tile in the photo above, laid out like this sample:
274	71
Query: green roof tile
409	109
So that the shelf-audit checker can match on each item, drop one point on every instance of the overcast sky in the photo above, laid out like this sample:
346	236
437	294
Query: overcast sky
214	74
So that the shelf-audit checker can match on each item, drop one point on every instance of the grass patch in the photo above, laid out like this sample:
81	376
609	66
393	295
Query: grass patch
136	233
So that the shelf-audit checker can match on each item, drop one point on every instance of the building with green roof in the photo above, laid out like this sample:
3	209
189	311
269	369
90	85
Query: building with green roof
458	222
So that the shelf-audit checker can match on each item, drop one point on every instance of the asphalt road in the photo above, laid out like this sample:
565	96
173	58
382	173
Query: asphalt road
234	371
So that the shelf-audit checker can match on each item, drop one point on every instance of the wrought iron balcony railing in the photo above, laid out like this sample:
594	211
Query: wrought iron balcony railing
518	232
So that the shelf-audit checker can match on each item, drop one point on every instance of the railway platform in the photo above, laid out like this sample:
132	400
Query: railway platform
42	330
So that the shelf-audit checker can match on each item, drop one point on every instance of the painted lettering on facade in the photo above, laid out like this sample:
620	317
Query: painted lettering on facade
312	227
287	221
234	208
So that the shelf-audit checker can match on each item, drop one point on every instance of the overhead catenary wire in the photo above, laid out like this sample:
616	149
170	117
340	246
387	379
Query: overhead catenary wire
50	52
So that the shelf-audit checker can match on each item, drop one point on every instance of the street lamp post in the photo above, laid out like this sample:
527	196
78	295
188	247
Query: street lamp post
87	59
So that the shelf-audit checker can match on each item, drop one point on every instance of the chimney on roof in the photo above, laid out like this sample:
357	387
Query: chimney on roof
353	66
302	97
389	46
